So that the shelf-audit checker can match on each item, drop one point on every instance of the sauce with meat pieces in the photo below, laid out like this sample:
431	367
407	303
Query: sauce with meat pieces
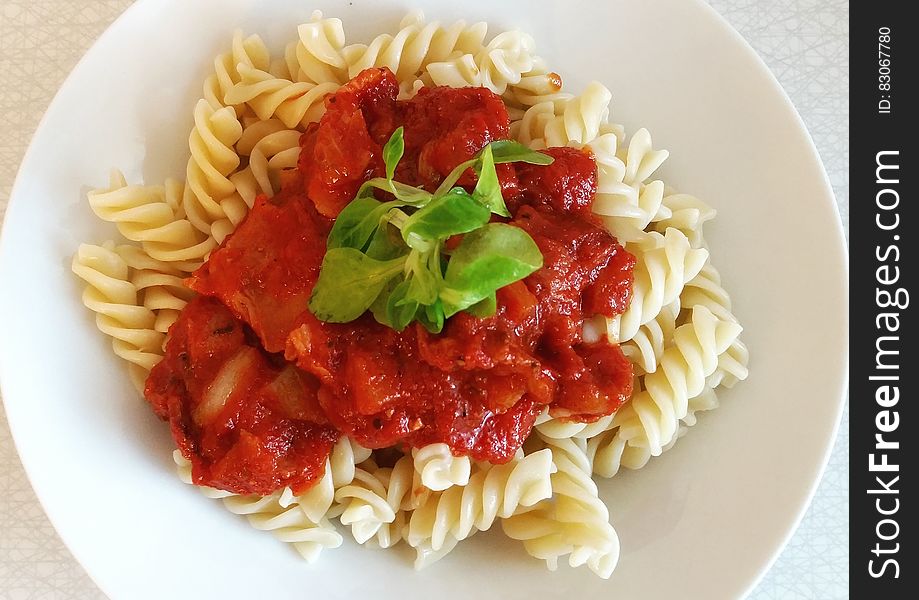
478	386
249	422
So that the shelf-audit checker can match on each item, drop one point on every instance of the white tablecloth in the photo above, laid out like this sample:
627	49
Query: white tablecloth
804	42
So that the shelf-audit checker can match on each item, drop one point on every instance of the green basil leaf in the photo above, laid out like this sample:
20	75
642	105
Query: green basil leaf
386	243
424	286
506	151
487	259
378	308
454	176
503	151
406	195
400	310
454	213
357	222
486	307
488	189
432	317
349	282
393	151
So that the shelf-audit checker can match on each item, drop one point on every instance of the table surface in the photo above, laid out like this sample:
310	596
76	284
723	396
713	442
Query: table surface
804	42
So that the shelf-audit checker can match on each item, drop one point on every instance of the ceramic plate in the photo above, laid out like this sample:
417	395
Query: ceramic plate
703	521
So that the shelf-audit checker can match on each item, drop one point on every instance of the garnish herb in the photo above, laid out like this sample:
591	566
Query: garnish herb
349	282
390	258
487	259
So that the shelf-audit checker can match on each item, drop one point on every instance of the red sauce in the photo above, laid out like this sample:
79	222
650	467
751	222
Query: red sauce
477	386
248	421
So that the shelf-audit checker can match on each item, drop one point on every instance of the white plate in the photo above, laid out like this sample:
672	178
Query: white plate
703	521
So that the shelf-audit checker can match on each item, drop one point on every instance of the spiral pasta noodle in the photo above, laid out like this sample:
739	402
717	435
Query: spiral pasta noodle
286	522
576	122
705	289
250	52
575	522
664	264
529	129
686	213
363	505
625	209
561	429
608	452
502	62
269	147
650	418
648	344
316	57
415	46
402	496
111	295
340	471
539	85
438	468
493	491
159	284
294	103
153	216
213	159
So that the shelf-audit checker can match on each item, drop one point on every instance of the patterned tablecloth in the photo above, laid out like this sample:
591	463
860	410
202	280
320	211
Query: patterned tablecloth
804	42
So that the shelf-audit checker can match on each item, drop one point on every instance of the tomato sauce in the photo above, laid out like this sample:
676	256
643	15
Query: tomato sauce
478	386
249	422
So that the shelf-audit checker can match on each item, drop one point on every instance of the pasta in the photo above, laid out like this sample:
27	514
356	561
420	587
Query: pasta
679	330
363	505
608	451
665	263
212	160
284	518
575	522
502	62
268	96
647	346
560	429
415	46
340	471
250	52
270	147
317	56
402	495
493	491
154	217
438	468
650	418
120	314
625	209
536	86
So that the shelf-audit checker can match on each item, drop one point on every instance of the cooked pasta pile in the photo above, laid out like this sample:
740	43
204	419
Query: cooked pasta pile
679	330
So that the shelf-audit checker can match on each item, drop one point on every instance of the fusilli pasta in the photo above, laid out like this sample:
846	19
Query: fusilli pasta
110	294
285	520
664	264
650	418
415	46
575	521
502	62
250	52
493	491
153	216
438	468
213	159
317	56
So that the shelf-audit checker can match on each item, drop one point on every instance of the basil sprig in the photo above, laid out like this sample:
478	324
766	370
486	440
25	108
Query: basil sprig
389	257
